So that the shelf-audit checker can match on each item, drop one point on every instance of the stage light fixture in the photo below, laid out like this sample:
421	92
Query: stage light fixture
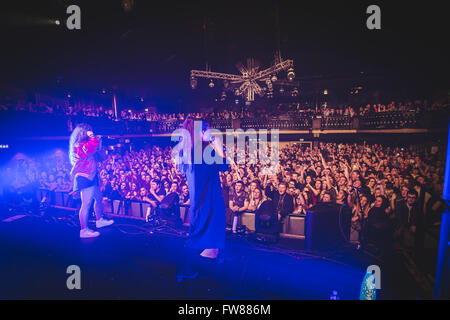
211	84
290	74
193	82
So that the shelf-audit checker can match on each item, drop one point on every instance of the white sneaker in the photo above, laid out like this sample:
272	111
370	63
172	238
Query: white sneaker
210	253
103	223
88	233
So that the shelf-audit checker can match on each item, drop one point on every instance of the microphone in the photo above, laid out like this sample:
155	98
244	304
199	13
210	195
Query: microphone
99	136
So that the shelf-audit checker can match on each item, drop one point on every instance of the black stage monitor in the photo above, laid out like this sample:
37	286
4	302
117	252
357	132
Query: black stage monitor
327	226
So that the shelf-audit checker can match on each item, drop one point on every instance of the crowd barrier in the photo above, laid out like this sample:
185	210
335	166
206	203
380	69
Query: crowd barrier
136	209
293	227
57	198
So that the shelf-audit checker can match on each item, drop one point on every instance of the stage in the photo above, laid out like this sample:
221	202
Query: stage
129	262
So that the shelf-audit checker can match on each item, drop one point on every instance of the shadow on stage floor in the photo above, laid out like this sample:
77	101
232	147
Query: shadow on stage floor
129	262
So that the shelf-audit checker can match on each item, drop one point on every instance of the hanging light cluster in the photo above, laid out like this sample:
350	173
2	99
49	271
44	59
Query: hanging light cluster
248	83
290	74
193	82
269	89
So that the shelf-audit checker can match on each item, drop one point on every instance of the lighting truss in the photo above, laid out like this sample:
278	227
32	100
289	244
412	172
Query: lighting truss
248	82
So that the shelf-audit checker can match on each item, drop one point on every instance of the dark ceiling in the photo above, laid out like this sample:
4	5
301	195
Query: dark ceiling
149	50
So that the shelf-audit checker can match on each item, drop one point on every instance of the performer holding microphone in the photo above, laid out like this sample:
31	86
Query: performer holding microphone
207	207
82	154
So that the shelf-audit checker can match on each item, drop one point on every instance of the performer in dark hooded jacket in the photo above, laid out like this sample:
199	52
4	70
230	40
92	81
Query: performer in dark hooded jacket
207	206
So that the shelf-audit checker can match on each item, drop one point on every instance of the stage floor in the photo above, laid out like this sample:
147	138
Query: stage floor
128	262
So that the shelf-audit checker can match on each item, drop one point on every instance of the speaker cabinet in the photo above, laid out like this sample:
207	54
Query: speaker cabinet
327	226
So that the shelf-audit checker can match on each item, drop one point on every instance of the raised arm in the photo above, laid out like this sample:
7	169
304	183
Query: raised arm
90	147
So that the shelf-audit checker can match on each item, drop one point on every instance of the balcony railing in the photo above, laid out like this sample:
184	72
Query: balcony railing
27	124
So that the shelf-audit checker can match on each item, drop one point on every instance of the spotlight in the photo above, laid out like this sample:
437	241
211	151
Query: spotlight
325	92
57	22
211	84
273	78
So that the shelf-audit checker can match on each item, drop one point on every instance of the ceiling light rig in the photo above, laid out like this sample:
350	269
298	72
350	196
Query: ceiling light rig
248	83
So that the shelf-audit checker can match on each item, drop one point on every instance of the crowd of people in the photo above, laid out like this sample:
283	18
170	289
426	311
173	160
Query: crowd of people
283	110
61	108
400	189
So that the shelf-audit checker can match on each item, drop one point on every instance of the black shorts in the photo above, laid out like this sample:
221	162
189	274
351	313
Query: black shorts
81	183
